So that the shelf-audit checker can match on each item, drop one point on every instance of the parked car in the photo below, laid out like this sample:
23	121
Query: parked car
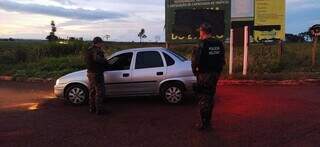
135	72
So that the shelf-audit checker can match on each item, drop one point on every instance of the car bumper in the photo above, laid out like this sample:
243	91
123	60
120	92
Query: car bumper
59	91
190	82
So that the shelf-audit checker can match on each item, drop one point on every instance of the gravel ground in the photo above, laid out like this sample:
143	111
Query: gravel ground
245	115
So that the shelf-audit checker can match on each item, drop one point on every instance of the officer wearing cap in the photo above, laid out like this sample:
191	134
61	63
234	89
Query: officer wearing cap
207	64
96	65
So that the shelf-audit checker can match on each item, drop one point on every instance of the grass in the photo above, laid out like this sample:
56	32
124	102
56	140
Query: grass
51	60
45	68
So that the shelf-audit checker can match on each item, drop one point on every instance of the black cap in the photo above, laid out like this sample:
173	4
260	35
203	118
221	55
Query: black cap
206	27
97	40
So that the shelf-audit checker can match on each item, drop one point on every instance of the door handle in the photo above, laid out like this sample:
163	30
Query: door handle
126	75
159	73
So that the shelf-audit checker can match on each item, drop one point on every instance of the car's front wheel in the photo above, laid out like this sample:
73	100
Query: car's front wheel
77	94
172	93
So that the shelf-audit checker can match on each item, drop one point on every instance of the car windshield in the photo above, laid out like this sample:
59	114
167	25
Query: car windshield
113	60
180	57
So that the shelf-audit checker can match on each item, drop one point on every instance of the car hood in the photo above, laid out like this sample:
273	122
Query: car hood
80	76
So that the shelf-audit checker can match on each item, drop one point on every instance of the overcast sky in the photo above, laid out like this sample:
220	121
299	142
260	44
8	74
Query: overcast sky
122	19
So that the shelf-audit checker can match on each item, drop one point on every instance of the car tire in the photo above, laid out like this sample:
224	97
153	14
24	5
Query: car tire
172	93
77	94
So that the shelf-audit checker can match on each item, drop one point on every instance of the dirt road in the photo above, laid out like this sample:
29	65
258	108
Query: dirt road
243	116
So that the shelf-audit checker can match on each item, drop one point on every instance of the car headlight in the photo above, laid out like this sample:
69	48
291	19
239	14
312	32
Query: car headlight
57	82
61	81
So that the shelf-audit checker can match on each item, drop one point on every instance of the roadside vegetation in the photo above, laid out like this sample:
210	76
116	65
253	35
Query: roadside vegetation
45	59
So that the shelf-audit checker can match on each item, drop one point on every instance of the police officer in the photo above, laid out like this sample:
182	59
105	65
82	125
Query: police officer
96	65
207	63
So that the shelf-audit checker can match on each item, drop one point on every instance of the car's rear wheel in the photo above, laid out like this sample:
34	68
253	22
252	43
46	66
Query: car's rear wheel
77	94
172	93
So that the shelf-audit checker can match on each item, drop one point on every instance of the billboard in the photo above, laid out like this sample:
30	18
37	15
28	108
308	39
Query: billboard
242	8
269	20
183	18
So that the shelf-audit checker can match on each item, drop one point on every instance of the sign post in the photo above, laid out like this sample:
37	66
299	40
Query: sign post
231	53
245	53
280	49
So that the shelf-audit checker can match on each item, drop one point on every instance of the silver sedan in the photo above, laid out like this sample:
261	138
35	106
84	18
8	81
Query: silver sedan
135	72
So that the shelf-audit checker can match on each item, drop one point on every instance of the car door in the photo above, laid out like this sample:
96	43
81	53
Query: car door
148	71
119	75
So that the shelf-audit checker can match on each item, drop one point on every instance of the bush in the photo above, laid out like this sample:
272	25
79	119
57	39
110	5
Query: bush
20	55
60	48
7	57
44	59
46	67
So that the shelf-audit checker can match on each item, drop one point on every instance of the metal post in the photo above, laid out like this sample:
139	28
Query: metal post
167	45
245	53
231	53
281	48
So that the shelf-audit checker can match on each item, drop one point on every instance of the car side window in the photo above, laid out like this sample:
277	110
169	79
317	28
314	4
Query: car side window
120	62
148	59
169	60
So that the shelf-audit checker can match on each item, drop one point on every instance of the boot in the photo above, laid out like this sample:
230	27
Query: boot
92	110
204	125
102	111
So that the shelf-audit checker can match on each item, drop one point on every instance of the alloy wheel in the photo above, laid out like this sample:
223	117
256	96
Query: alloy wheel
173	95
76	95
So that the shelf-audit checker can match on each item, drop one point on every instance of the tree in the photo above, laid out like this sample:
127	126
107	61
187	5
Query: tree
294	38
52	36
142	35
306	35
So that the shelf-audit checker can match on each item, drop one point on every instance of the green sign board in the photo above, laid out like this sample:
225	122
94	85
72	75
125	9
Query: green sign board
183	18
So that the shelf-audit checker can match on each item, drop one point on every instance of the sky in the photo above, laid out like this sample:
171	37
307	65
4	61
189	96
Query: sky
121	19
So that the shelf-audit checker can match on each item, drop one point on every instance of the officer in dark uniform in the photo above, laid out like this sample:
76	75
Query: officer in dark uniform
207	64
96	65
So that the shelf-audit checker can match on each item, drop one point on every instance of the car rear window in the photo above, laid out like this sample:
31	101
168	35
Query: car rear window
169	60
148	59
180	57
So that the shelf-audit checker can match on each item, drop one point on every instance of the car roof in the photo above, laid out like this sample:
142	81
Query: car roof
142	49
137	50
